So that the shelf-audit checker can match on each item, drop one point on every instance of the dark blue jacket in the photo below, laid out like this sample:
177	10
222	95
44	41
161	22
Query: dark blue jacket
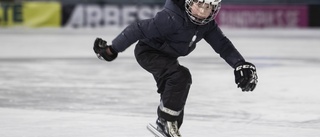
171	32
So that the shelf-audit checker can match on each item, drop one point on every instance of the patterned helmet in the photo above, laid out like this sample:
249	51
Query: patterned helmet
216	5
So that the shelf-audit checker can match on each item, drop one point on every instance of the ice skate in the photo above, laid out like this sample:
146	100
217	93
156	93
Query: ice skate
169	128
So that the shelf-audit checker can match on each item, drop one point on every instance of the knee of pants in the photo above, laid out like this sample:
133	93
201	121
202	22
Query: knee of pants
184	75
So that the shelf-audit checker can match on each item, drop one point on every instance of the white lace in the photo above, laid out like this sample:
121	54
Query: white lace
173	129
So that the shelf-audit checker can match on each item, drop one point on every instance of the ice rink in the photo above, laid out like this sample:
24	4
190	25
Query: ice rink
52	85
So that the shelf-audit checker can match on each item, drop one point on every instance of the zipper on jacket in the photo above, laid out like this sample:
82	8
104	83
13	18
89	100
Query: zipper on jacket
193	38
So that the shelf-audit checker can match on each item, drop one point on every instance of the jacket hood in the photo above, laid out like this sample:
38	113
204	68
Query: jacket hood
179	3
176	6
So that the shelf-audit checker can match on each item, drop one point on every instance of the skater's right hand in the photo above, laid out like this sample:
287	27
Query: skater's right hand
104	51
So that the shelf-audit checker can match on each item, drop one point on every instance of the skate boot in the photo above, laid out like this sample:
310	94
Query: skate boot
169	128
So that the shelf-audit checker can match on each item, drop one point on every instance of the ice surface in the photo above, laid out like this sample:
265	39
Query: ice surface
52	85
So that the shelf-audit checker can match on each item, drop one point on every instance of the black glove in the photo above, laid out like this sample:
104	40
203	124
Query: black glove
246	76
100	48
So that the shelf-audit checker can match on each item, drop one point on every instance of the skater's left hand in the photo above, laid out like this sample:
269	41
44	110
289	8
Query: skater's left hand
246	76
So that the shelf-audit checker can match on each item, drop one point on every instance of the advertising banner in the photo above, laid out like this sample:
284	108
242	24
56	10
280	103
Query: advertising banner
95	15
53	14
10	14
253	16
31	14
40	14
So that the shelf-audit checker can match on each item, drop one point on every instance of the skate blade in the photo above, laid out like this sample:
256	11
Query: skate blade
155	131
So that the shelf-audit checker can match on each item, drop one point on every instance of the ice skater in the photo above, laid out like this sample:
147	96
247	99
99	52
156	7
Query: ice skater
172	33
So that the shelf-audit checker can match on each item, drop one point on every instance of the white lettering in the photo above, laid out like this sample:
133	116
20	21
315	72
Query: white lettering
278	18
129	15
292	18
145	13
109	15
77	19
259	18
94	16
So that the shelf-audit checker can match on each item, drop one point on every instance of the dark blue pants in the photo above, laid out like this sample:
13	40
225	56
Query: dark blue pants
173	80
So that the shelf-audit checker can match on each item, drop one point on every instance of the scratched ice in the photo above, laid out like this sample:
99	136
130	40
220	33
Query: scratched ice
52	85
